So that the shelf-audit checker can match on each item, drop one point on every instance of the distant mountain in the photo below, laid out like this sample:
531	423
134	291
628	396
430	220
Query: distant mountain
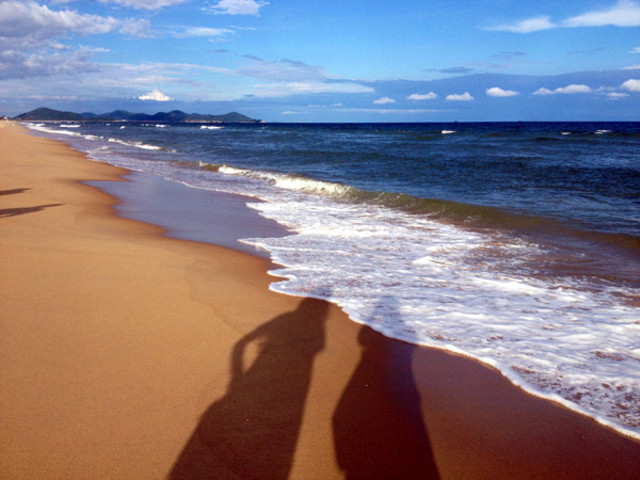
118	115
175	116
49	114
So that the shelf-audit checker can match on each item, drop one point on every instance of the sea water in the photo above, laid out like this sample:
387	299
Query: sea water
517	244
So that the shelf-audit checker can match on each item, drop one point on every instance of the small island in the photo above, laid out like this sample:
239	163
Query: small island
44	114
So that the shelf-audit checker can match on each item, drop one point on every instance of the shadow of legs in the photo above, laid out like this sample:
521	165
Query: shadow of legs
251	432
378	428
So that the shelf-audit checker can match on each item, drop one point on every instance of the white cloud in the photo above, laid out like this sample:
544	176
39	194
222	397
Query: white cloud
155	95
95	50
71	74
632	85
203	32
465	97
284	89
499	92
573	88
25	25
423	96
387	111
284	70
28	34
632	67
332	105
528	25
20	65
543	91
76	76
145	4
625	13
635	50
140	27
569	89
237	7
384	101
616	95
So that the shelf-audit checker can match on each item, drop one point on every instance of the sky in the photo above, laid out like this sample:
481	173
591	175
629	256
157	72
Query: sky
326	61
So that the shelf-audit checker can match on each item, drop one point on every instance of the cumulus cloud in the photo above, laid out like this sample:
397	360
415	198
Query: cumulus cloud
625	13
569	89
236	7
543	91
155	95
144	4
25	25
573	88
464	97
499	92
384	101
28	39
423	96
631	85
528	25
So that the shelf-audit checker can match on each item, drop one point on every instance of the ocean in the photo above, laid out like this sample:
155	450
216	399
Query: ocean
517	244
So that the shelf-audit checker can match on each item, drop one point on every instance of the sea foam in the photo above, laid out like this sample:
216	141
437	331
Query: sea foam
465	292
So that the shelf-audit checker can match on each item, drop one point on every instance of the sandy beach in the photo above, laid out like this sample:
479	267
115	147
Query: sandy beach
126	354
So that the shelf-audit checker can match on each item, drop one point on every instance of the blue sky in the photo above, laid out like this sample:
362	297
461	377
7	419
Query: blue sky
331	60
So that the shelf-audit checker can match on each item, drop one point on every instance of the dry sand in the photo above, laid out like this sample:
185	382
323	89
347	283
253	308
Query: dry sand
128	355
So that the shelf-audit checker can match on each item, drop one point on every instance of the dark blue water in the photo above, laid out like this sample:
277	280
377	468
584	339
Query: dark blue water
584	174
515	243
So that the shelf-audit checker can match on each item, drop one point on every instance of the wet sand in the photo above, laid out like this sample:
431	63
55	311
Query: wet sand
128	354
201	215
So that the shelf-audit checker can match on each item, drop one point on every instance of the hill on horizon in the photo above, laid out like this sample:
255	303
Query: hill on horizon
175	116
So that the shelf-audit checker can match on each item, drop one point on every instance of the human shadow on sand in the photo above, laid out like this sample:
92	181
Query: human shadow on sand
378	426
14	212
13	191
251	433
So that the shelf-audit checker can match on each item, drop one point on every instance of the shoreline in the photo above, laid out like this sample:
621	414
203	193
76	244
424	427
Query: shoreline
185	213
185	312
